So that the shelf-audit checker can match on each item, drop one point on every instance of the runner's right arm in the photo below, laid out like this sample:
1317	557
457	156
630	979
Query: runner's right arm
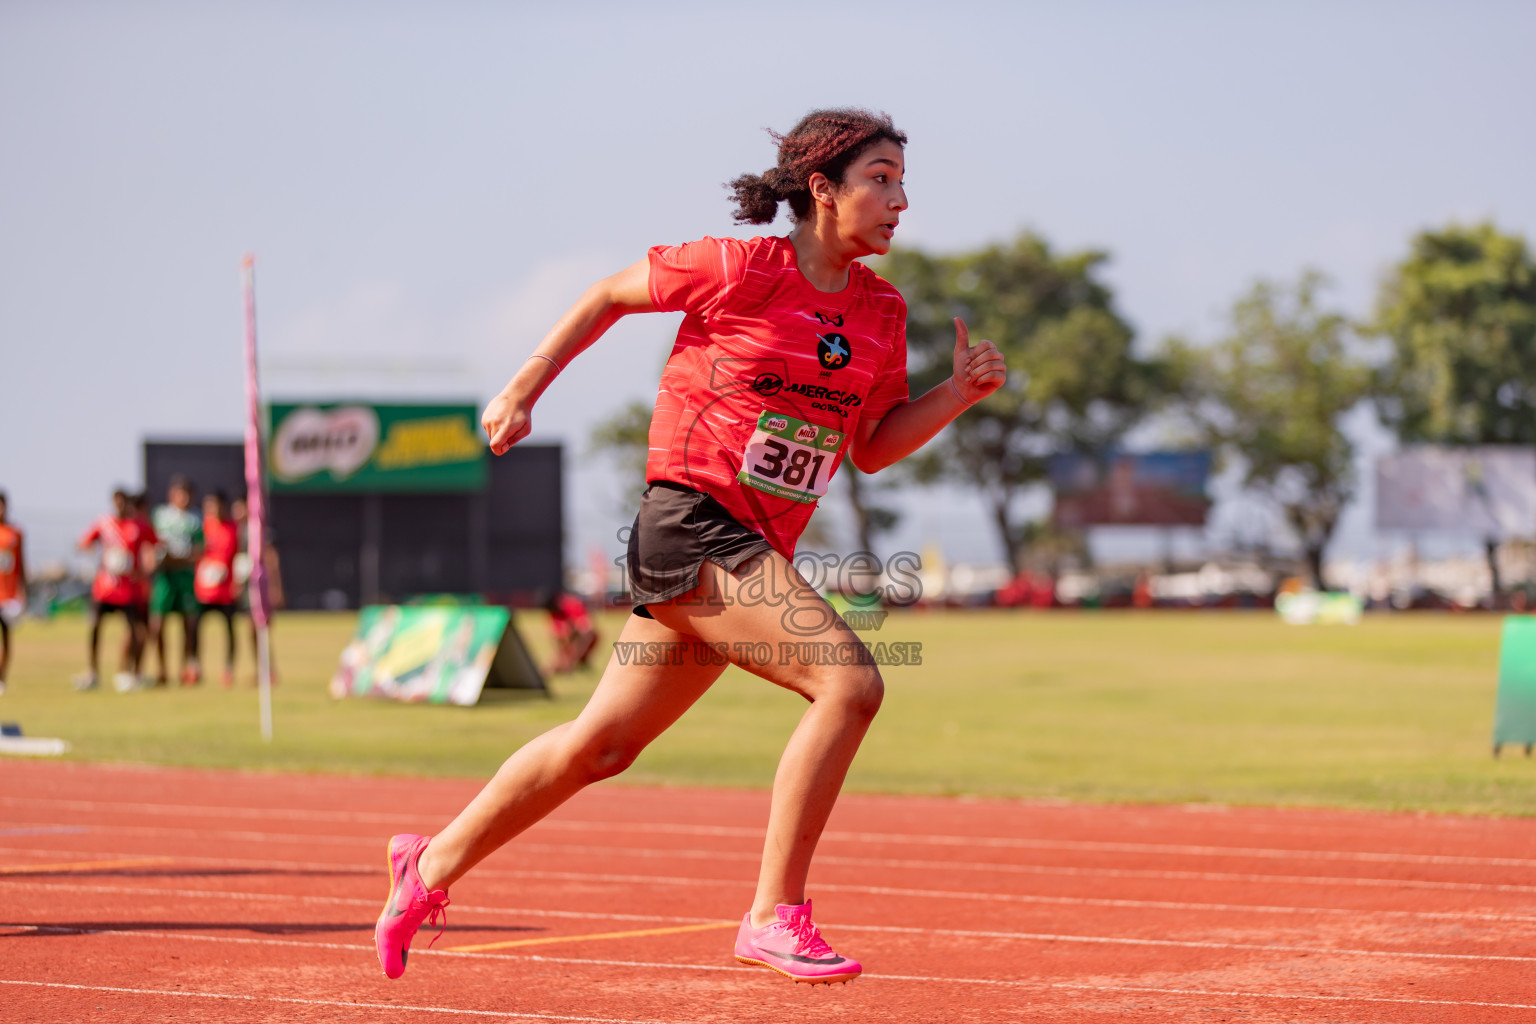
507	417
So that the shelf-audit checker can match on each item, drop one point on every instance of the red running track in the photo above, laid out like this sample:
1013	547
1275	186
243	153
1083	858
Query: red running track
152	894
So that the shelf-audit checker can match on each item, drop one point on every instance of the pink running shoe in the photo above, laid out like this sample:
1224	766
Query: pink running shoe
409	904
793	946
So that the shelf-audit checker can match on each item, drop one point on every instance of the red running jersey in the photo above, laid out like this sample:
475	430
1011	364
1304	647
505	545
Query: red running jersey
10	562
768	377
120	579
215	581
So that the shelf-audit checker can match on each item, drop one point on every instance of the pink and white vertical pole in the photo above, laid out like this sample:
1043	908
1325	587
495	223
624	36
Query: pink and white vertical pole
255	501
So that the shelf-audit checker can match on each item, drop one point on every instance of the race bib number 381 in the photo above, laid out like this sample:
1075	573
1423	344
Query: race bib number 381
789	458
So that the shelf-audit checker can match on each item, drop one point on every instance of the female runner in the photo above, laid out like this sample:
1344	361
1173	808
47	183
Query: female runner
792	355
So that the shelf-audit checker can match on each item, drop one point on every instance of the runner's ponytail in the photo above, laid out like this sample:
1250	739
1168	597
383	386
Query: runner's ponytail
826	141
757	197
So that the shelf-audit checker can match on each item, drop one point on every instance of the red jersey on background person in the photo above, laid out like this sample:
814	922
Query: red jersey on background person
13	580
121	586
120	579
13	585
217	584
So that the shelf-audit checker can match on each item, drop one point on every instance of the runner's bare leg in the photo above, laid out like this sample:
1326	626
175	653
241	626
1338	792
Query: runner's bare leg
94	644
632	705
844	699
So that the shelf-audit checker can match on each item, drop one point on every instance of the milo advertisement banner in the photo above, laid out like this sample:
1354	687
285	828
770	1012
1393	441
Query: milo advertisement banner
435	655
335	447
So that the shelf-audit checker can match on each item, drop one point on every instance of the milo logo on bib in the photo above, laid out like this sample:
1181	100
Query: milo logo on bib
790	458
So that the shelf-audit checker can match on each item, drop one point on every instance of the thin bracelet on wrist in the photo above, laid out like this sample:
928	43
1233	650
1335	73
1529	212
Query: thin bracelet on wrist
551	362
958	395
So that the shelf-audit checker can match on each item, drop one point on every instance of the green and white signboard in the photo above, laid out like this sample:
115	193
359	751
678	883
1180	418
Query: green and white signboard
434	654
356	446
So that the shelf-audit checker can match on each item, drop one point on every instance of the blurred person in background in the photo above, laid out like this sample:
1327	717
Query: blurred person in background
139	504
573	632
180	532
13	586
215	583
119	584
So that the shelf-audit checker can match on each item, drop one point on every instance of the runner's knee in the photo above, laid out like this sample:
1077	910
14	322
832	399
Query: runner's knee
604	755
860	689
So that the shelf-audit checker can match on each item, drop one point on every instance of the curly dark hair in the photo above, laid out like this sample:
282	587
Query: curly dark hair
824	140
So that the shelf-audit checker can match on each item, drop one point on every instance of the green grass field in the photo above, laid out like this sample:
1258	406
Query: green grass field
1225	707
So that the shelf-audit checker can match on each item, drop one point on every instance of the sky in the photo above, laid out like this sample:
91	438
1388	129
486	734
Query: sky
426	187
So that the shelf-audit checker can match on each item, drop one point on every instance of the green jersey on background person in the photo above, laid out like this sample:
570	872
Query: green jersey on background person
180	533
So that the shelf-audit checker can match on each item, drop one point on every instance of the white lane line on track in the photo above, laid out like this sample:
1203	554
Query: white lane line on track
923	979
348	901
1244	878
756	834
1085	901
1232	819
295	838
1076	845
1025	983
1046	937
290	1000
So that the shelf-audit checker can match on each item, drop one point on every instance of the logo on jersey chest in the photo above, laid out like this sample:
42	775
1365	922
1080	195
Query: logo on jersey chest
833	351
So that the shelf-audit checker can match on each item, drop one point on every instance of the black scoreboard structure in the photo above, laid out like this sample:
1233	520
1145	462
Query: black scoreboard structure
499	535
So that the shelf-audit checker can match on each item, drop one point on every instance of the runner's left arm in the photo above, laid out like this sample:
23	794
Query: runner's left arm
978	371
507	417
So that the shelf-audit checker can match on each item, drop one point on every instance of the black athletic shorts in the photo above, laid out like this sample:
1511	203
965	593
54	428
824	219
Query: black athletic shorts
134	613
675	532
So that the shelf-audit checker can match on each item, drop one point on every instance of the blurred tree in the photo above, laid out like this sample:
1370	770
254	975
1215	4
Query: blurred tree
1273	392
1460	312
1073	383
625	437
1461	315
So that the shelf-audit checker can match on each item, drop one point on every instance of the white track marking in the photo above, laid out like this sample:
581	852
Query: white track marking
1086	901
756	834
1023	983
43	830
1068	986
1077	845
1094	940
193	810
1152	818
290	1000
922	979
312	866
348	901
1244	878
